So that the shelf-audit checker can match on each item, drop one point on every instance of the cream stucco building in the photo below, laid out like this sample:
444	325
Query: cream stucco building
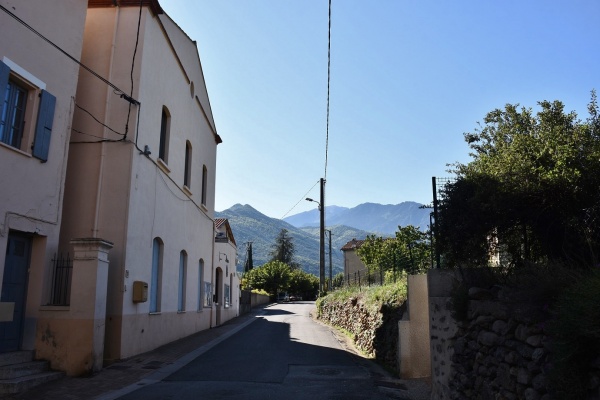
37	87
353	265
141	174
125	186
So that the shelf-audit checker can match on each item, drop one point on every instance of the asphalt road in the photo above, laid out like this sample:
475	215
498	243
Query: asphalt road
283	354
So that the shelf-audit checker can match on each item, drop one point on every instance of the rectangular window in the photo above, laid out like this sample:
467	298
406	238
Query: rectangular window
17	116
187	168
207	294
165	125
227	295
200	284
156	275
182	281
204	178
13	114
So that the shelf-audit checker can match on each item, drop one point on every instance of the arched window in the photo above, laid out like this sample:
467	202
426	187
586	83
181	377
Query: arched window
182	281
156	276
200	284
204	183
187	168
165	127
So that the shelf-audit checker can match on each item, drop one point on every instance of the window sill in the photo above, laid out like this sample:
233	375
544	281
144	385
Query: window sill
203	206
181	312
187	191
54	308
163	166
155	313
19	151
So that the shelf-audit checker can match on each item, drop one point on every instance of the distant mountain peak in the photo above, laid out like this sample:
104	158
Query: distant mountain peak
371	217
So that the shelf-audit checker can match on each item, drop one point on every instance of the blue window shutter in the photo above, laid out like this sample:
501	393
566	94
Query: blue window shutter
4	72
43	128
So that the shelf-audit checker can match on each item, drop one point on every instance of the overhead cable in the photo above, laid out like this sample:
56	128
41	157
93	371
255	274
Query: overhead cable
301	199
137	39
112	85
328	83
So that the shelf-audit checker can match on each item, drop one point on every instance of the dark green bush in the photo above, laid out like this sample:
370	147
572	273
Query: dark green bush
576	337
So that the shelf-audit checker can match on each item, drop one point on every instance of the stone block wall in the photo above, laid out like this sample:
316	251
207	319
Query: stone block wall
500	350
374	332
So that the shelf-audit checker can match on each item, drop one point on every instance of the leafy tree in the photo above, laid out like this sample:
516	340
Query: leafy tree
283	249
415	244
249	263
303	283
408	251
530	192
273	277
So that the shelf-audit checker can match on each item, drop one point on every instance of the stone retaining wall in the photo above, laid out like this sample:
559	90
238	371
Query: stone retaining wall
375	333
500	350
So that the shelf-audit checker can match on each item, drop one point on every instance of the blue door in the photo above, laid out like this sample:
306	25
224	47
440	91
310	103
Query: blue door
14	290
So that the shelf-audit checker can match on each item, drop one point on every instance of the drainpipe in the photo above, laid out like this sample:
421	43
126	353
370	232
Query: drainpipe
212	270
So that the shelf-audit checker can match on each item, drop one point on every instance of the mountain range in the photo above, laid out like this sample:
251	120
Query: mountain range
251	226
372	217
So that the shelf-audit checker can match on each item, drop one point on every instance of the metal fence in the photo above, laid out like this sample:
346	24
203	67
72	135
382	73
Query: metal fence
438	185
61	281
376	276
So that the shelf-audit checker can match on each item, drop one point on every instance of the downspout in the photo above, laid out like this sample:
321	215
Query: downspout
212	270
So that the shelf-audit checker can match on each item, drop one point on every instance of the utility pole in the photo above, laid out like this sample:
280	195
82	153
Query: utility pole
321	204
322	239
330	286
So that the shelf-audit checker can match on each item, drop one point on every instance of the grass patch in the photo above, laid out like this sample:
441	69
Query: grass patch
373	297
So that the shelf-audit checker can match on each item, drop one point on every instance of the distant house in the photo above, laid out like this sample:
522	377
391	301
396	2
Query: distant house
227	280
353	265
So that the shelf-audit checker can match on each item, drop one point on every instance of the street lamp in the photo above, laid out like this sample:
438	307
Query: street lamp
314	201
321	205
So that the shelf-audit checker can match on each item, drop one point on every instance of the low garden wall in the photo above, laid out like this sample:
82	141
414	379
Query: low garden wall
487	343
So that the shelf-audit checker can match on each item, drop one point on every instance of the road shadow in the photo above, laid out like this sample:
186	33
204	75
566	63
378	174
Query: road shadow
262	352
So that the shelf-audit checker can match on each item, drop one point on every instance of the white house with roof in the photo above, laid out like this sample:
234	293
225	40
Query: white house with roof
354	268
227	280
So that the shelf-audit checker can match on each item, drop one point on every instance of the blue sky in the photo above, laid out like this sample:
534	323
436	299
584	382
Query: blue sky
408	78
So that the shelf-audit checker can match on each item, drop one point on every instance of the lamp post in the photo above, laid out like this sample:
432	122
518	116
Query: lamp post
321	205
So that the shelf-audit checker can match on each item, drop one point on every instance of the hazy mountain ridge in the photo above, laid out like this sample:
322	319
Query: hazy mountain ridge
371	217
250	225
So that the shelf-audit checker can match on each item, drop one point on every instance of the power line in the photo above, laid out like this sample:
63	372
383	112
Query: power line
328	84
122	93
137	39
302	198
98	121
